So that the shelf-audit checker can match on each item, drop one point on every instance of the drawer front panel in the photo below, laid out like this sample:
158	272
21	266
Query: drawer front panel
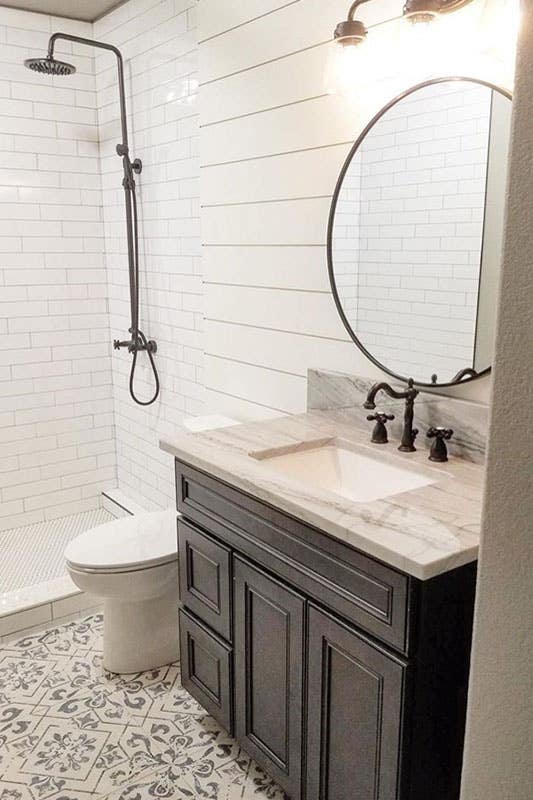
205	582
206	669
364	591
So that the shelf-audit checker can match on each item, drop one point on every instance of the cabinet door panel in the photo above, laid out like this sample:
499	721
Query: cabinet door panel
354	707
269	673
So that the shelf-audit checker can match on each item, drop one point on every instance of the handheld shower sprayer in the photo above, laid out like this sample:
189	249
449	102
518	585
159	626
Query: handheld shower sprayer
138	342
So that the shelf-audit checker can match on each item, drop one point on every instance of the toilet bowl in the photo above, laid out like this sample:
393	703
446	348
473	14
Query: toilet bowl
132	565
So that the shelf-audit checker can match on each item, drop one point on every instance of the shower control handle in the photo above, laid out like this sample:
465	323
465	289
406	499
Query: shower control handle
150	346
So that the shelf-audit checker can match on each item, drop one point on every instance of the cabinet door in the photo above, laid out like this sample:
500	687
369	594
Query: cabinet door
354	707
268	637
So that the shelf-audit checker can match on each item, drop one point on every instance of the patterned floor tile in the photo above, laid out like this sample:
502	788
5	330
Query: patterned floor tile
70	730
166	784
81	635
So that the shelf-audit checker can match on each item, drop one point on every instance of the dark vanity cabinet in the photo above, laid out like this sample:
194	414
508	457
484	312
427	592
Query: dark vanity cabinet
344	678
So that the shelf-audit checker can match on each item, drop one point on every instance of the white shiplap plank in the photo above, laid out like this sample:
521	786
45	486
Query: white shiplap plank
265	87
282	130
300	312
270	266
293	222
217	402
216	18
308	173
278	390
288	352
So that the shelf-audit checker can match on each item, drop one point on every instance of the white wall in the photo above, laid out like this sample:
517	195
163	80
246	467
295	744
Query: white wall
499	753
56	426
158	42
272	145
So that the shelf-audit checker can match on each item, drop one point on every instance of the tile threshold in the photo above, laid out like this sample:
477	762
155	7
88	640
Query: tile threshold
39	594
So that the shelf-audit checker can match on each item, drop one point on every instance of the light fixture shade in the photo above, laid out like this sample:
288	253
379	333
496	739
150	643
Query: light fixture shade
421	11
346	67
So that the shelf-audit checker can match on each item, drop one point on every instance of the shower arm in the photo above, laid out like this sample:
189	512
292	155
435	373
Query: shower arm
120	66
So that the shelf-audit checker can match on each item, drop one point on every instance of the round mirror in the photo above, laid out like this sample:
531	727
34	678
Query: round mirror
416	228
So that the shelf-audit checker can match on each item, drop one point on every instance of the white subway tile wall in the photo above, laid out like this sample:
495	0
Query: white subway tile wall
410	260
56	405
159	42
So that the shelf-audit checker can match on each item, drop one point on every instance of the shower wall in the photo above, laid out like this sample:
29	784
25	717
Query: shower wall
158	41
56	422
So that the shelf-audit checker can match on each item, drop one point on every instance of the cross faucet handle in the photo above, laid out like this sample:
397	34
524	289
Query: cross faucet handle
440	433
439	451
379	434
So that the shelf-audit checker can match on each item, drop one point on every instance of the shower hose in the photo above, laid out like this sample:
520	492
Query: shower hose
138	340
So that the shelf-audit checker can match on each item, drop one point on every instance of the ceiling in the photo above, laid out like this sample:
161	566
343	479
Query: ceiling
87	10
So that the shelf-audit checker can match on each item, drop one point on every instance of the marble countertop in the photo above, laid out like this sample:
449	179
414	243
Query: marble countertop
422	532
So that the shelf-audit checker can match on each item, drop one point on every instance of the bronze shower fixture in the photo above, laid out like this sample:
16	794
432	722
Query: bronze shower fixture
352	31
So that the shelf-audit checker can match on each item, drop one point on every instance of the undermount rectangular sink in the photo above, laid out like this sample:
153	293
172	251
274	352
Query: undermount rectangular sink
345	469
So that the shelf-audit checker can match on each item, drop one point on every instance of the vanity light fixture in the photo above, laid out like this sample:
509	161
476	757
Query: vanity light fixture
352	32
346	62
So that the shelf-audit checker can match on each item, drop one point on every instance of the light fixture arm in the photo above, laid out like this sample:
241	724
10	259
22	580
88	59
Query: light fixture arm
354	7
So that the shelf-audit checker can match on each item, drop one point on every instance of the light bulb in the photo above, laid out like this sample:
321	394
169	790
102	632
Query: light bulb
423	44
345	67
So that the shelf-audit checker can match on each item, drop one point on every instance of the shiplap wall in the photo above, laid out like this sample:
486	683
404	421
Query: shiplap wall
272	144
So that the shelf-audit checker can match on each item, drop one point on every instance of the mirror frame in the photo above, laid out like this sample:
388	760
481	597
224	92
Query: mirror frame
331	223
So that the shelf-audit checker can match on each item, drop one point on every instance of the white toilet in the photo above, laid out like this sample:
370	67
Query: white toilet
132	564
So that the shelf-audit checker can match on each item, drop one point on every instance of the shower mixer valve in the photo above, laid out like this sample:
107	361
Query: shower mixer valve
136	346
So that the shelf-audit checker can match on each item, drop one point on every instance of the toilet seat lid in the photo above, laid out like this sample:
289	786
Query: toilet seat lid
126	544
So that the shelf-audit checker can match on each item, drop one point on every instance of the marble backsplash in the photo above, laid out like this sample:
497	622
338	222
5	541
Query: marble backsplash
335	390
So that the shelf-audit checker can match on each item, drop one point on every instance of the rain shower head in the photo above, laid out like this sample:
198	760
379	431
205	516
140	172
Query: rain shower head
49	66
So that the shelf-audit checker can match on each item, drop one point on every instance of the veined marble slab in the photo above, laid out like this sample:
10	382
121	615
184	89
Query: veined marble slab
469	420
423	532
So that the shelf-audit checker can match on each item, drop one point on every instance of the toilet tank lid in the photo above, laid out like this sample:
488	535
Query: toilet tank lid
208	422
142	541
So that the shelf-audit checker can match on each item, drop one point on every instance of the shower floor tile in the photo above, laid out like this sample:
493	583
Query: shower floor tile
73	731
34	554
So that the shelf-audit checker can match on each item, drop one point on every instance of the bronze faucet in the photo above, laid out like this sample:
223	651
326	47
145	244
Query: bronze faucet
409	433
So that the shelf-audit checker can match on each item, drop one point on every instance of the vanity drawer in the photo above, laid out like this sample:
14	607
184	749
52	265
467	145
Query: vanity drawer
362	590
205	582
206	669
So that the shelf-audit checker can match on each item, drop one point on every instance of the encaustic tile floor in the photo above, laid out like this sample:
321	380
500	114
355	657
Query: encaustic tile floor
69	730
